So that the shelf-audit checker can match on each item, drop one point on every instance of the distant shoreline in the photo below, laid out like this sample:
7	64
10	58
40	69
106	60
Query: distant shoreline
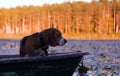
80	36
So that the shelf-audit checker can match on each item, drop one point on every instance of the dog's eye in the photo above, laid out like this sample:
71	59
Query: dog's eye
59	35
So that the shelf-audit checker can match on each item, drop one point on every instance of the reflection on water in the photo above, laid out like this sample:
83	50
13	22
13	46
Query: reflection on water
103	60
9	46
9	74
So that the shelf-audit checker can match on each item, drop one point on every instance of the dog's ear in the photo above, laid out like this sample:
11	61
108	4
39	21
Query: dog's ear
49	36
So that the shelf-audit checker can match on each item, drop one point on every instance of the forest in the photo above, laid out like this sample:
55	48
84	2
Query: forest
99	17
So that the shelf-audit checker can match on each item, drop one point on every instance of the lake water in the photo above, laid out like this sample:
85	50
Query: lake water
103	60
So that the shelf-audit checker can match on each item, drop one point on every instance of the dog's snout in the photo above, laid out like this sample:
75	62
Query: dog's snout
62	41
65	40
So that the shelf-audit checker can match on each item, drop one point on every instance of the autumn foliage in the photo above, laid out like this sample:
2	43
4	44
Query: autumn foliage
99	17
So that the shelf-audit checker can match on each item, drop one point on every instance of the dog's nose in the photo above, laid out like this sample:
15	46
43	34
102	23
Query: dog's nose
65	40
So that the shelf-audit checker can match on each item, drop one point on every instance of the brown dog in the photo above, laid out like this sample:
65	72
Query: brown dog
37	43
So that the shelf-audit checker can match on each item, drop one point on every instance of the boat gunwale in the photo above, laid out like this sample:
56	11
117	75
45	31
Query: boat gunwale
52	56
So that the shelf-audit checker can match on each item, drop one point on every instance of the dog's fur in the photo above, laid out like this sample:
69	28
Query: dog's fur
38	43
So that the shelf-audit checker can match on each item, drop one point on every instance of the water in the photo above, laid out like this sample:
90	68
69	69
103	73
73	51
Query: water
103	60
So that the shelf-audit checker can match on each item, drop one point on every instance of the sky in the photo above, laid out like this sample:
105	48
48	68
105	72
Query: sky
14	3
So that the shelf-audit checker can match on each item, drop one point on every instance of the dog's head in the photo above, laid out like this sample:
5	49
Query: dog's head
53	37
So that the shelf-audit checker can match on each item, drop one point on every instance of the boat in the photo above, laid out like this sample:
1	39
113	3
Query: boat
55	64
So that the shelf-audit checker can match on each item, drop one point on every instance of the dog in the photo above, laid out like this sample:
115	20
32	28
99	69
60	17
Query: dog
37	43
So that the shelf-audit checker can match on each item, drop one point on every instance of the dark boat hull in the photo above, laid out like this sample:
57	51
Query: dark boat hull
53	65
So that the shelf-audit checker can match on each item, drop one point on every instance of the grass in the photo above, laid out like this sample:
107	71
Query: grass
80	36
12	36
92	36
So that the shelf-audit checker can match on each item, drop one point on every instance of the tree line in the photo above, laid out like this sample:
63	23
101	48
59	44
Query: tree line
101	16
